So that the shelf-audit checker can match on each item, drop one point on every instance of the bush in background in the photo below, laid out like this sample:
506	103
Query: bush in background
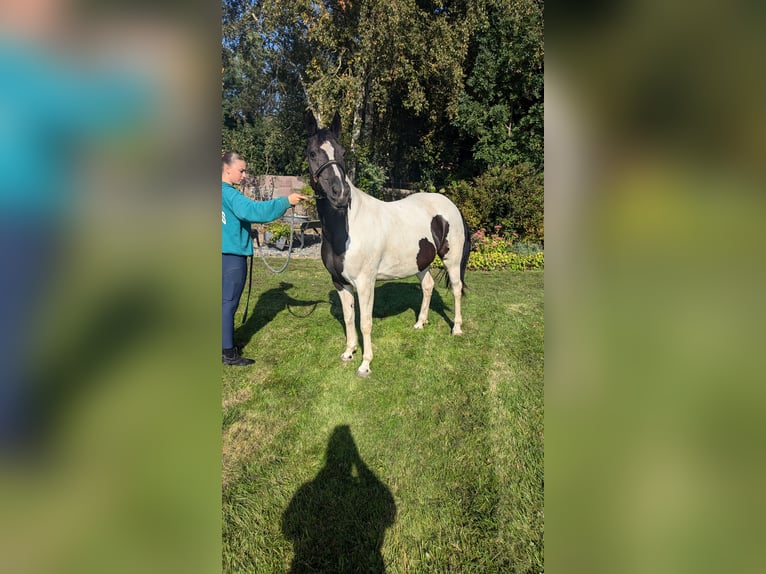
491	252
370	177
511	197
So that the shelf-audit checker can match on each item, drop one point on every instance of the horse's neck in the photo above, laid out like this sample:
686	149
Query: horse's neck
356	193
335	223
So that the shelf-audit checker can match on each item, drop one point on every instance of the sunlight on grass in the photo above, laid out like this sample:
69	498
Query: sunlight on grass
449	428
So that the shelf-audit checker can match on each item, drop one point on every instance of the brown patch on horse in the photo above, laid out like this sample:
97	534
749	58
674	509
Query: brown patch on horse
439	230
426	254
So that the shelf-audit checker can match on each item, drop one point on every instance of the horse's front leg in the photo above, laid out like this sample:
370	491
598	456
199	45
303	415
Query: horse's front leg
427	286
366	292
346	295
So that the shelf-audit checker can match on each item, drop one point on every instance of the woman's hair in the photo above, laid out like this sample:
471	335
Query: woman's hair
229	157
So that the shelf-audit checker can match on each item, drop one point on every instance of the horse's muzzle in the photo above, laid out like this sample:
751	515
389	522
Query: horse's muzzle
339	194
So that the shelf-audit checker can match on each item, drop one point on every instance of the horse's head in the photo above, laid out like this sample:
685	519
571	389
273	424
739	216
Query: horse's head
326	166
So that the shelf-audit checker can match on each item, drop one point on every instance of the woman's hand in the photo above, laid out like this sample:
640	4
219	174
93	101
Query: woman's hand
295	198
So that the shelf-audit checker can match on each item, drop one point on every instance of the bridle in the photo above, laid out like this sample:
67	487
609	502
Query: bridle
315	176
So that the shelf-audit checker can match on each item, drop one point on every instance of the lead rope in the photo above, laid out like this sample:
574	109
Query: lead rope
266	263
289	249
249	288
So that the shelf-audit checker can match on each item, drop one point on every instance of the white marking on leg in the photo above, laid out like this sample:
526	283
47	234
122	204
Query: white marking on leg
457	289
346	296
457	328
427	285
366	292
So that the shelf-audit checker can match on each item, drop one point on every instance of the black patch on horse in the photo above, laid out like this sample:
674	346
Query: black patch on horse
334	264
334	240
439	231
426	254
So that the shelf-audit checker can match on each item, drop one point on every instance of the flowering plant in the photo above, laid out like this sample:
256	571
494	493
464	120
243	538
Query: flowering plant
493	251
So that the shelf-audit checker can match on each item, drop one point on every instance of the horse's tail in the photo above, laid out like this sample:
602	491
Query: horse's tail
463	260
466	252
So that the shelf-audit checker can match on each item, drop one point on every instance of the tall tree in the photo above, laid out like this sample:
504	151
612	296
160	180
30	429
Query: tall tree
260	93
501	109
424	87
417	55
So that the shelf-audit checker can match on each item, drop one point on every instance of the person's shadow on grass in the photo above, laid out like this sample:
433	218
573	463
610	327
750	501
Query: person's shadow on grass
337	521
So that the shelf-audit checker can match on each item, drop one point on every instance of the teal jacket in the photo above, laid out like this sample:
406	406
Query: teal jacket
51	110
238	212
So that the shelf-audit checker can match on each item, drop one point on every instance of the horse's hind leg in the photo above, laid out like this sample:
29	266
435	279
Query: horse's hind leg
457	292
346	295
427	285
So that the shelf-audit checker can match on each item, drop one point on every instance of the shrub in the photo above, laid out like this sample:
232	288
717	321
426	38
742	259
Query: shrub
494	251
278	230
370	177
508	196
492	261
310	206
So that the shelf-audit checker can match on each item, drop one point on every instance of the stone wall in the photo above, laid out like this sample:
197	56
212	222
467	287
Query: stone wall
265	187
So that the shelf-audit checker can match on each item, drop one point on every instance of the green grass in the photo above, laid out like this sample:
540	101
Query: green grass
432	464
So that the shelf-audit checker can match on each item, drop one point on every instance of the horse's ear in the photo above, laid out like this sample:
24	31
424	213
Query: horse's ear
335	125
311	124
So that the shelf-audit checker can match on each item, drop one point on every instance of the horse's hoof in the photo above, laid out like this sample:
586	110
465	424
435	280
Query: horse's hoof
418	326
346	358
363	374
457	331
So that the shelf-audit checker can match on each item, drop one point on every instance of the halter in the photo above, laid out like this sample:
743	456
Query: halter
315	175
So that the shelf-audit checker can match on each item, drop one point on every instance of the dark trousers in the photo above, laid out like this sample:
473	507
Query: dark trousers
234	268
27	256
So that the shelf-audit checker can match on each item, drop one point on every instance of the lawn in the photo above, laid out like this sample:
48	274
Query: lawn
432	464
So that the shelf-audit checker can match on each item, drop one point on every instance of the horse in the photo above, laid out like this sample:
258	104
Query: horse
365	239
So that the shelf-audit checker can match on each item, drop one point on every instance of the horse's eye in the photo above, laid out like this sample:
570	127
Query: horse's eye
312	154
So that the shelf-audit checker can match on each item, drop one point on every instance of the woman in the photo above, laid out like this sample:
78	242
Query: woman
237	213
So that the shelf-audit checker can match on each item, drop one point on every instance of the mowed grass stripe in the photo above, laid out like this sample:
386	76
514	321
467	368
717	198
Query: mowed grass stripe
452	426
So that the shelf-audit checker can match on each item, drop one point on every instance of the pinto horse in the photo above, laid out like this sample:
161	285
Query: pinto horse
365	239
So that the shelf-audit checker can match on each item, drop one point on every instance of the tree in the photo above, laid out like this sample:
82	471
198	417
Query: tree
429	91
501	108
260	95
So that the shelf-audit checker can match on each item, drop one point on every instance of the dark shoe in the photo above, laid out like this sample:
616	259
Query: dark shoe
239	361
232	357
